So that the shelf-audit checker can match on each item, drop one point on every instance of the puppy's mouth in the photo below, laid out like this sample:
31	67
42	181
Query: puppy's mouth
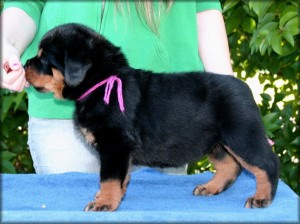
52	81
42	89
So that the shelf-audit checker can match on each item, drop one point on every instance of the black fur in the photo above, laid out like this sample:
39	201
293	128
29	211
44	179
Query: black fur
169	119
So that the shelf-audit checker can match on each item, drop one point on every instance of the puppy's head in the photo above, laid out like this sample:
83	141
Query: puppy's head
72	58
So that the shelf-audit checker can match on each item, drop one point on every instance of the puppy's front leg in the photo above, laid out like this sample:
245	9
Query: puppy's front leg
114	179
108	198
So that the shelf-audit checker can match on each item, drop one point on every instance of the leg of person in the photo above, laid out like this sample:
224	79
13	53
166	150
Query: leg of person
57	147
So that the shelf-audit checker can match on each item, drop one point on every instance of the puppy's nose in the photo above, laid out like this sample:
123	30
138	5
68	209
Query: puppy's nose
28	62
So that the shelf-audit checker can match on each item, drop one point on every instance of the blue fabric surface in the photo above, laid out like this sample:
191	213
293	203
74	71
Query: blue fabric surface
151	197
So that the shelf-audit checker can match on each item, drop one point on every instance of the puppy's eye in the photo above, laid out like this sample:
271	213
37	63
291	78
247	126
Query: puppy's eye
45	66
44	61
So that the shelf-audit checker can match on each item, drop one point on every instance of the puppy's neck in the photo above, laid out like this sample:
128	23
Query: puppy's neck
109	82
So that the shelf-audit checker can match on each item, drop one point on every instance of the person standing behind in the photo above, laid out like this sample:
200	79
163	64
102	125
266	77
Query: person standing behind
167	36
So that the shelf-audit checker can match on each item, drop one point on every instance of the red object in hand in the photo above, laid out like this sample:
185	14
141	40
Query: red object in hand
14	75
7	68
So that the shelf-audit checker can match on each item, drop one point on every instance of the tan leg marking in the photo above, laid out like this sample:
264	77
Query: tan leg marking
262	196
89	137
108	198
227	170
125	183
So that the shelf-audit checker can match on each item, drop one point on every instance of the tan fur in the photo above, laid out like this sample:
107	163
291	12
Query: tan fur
48	82
40	52
263	185
226	172
125	183
108	198
89	137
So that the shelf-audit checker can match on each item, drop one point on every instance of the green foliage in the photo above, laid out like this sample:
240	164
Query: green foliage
267	46
263	38
15	156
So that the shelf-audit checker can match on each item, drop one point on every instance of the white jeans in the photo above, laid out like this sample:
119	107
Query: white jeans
56	147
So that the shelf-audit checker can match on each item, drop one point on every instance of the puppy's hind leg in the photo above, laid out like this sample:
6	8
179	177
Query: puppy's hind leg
243	134
227	170
265	169
253	151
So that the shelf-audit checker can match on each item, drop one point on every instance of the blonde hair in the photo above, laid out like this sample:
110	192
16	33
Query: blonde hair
146	11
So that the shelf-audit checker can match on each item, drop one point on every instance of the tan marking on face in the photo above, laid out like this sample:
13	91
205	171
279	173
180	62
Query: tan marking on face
263	185
58	83
48	82
37	80
40	52
57	75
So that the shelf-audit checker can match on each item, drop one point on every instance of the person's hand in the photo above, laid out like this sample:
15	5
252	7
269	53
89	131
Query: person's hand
13	74
17	32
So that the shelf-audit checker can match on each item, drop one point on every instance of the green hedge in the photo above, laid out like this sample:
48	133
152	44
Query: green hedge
263	38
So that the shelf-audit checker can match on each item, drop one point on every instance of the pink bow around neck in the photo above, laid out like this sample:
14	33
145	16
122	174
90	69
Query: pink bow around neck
109	85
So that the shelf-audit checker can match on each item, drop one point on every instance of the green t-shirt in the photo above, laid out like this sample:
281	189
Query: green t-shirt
173	49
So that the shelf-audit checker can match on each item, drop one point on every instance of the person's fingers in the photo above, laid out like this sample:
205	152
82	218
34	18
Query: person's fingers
13	74
14	63
10	87
18	86
15	80
11	77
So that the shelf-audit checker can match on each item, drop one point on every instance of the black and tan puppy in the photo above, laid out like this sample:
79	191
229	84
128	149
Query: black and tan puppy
139	117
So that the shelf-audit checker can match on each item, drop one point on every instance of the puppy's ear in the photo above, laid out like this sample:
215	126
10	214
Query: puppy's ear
75	71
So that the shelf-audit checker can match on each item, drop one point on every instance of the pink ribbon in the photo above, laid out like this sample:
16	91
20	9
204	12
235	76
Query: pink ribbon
109	85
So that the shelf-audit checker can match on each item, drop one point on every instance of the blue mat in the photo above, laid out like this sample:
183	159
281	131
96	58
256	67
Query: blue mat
151	197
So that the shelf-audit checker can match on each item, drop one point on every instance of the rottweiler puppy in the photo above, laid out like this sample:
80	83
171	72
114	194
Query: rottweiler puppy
133	116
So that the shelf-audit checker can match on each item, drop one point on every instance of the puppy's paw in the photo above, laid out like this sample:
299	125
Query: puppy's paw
101	207
205	190
254	202
108	198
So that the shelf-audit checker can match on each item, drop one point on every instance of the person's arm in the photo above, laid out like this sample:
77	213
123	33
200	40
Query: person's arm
18	30
213	43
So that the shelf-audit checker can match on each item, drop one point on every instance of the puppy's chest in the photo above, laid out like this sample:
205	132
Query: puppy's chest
94	122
